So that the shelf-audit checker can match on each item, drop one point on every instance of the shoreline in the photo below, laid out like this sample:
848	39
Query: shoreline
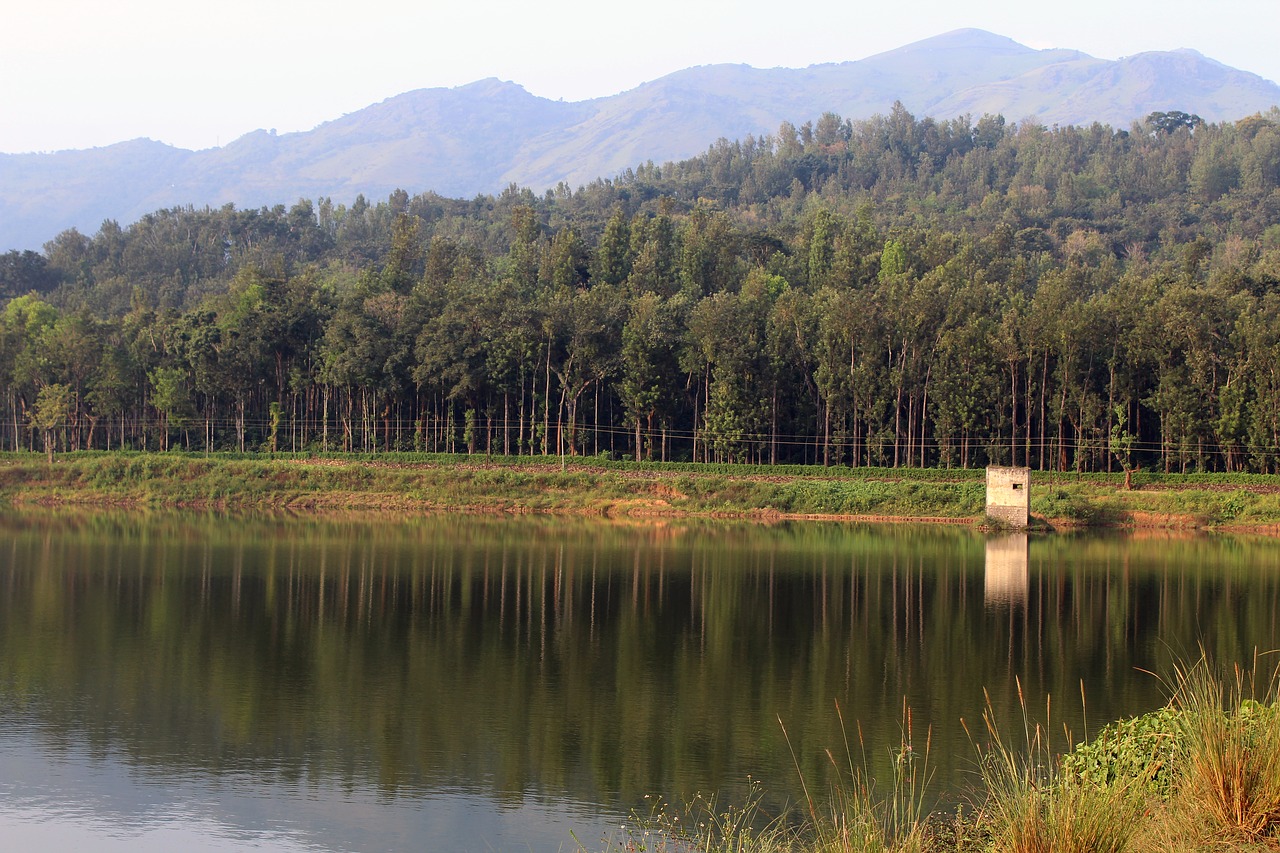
588	486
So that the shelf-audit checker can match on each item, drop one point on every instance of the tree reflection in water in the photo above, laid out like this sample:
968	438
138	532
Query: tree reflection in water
587	660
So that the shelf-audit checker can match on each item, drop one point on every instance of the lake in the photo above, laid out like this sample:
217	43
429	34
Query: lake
462	683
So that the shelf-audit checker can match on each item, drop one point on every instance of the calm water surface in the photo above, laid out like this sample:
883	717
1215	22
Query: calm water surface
454	684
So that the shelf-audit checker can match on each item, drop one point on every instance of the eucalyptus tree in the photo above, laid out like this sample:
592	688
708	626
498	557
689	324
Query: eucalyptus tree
1260	332
791	332
967	391
727	345
911	310
23	360
51	412
72	348
366	356
967	388
839	340
201	348
1064	326
1187	333
709	261
453	345
654	256
713	358
649	370
172	399
515	351
613	257
110	391
822	248
584	332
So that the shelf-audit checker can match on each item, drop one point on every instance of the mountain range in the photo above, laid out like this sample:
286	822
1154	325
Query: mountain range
483	136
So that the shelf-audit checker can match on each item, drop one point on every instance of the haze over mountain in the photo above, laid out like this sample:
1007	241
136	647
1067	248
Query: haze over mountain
480	137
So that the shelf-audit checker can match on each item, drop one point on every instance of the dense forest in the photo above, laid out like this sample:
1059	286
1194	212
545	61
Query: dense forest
895	291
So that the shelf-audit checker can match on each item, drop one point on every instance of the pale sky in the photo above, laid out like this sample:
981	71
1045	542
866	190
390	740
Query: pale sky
84	73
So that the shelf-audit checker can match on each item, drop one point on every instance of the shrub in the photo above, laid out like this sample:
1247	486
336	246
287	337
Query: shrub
1060	503
1140	751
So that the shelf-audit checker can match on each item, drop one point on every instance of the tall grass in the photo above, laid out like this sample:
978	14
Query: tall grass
852	818
856	818
1201	773
701	825
1031	806
1229	787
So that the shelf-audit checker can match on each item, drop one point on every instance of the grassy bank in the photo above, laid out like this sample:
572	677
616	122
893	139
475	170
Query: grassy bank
420	482
1201	773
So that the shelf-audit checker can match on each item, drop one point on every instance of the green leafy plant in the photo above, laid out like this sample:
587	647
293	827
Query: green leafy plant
1139	751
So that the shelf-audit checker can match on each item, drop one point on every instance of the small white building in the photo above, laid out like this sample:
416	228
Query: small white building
1009	495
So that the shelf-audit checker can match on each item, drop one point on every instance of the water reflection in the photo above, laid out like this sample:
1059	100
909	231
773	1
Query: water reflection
74	800
531	668
1008	577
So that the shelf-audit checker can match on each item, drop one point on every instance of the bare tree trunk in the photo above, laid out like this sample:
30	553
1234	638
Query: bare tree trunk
773	428
546	407
1044	390
1027	410
924	405
520	416
897	424
826	434
1013	412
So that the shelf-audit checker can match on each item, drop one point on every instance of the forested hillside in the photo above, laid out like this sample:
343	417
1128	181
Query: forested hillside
483	136
895	291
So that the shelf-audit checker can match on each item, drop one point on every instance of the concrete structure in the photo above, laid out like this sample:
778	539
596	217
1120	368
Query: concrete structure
1009	495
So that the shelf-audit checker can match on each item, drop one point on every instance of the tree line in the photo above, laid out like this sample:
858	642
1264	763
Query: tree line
896	292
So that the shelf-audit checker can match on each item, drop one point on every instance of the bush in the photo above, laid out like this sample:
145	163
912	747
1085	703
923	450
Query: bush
1139	751
1060	503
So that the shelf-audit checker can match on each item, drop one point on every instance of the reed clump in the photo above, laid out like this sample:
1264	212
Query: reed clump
702	825
859	819
1030	805
1227	795
1201	773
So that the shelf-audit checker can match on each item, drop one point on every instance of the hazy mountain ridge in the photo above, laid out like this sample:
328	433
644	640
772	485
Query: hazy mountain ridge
480	137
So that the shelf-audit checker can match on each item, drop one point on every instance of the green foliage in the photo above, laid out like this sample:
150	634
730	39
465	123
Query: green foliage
1066	504
52	408
1169	122
898	291
884	498
1231	506
51	412
277	415
1139	753
1122	440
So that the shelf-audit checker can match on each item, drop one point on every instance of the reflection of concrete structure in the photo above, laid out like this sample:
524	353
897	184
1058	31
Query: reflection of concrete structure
1007	577
1009	495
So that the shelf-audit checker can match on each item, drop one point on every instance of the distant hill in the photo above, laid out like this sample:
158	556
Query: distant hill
480	137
